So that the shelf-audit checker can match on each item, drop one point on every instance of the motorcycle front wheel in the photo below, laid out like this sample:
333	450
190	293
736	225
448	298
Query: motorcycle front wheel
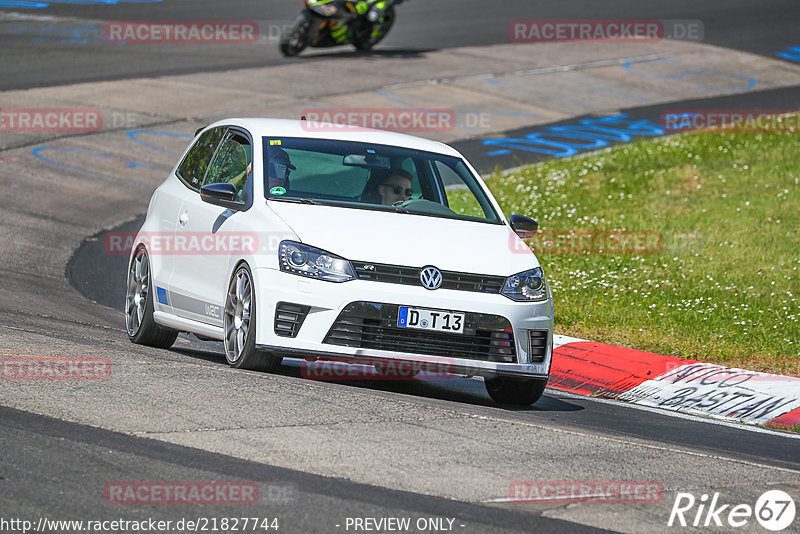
374	37
299	36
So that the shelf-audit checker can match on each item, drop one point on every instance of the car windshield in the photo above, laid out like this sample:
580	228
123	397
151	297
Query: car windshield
377	177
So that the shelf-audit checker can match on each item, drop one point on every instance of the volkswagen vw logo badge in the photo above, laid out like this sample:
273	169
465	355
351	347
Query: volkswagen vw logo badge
431	277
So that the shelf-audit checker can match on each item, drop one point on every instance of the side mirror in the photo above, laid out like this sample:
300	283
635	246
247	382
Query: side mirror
523	226
223	194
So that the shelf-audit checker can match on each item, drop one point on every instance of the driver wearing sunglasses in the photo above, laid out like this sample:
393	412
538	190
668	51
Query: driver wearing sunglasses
396	188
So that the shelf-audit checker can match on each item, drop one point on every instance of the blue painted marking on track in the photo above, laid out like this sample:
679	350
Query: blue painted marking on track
679	121
480	110
792	54
751	81
54	34
610	91
391	98
508	84
37	152
25	4
82	34
473	111
396	100
133	134
568	140
137	165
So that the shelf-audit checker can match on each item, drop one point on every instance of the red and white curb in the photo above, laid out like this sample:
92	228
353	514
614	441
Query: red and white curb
588	368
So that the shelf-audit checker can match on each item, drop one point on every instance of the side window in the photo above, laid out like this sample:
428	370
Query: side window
194	165
459	197
232	163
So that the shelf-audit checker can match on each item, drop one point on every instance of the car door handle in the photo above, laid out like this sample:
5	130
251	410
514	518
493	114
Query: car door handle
184	218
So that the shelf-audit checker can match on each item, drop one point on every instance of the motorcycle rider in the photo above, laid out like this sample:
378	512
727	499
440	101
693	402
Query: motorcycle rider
372	8
362	23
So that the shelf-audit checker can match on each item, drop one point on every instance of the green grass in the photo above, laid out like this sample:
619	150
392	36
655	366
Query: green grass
795	428
724	287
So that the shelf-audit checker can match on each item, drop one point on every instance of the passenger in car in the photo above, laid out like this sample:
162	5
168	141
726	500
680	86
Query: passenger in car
279	165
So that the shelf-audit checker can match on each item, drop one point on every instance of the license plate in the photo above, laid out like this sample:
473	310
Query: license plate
424	319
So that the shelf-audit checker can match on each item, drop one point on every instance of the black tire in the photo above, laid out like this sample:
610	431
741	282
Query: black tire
139	323
239	324
299	37
515	392
368	42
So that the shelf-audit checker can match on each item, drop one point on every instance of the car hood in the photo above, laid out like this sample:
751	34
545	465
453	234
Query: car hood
408	239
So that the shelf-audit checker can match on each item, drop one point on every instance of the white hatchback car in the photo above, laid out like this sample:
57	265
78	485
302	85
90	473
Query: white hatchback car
285	238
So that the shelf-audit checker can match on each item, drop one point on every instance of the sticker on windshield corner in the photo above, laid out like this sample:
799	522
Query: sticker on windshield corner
273	142
277	191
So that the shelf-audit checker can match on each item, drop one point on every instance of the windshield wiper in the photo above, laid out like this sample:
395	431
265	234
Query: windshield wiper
297	200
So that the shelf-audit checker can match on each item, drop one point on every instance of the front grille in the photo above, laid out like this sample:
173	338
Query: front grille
289	318
372	325
398	274
538	345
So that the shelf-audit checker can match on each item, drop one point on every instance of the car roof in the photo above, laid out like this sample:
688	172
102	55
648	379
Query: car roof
263	127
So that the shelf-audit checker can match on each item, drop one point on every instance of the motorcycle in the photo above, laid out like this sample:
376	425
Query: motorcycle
324	23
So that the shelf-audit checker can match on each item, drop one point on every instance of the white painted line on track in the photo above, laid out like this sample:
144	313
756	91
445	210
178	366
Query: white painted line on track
14	16
549	500
640	442
680	415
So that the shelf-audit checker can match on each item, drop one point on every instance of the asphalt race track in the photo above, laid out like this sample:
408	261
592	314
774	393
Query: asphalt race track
64	43
323	453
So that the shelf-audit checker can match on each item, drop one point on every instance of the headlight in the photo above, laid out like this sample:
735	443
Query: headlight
527	285
303	260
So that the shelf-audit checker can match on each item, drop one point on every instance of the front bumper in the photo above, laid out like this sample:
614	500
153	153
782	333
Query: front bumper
493	323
